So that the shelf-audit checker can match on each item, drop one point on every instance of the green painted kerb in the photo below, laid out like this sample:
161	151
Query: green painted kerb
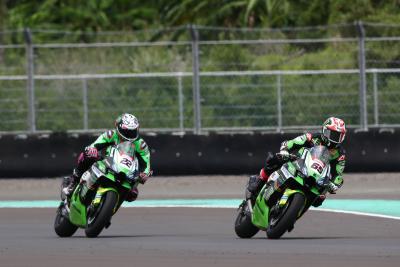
374	206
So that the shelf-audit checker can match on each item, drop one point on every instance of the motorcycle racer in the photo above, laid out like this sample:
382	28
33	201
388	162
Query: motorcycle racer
126	129
332	135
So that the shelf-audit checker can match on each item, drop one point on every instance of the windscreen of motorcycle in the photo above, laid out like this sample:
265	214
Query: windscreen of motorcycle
124	159
317	163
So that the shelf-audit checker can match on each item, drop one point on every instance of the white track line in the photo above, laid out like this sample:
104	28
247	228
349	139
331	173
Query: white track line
358	213
230	207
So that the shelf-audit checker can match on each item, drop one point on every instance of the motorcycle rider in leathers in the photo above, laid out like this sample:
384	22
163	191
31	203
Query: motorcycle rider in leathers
126	129
332	136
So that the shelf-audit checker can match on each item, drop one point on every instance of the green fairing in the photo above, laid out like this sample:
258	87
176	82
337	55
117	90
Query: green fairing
112	178
102	167
111	137
77	213
260	215
299	180
100	192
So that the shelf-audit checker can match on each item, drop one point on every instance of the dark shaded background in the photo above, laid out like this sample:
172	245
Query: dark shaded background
55	154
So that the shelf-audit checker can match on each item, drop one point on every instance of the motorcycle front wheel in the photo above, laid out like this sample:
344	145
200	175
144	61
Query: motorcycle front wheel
244	228
62	226
101	216
286	218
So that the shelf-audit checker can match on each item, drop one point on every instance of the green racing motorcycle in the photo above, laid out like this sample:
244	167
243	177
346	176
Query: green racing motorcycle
100	193
288	194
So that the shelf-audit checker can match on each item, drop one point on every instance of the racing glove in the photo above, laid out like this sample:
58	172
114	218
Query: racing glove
91	152
144	176
283	155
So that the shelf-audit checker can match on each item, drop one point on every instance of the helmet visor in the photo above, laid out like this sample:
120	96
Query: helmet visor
334	136
128	134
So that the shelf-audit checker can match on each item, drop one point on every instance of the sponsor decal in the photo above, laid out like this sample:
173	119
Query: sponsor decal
110	134
143	145
268	192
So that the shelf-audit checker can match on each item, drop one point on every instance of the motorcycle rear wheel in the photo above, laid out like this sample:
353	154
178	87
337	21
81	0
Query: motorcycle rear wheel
244	228
287	217
62	226
102	215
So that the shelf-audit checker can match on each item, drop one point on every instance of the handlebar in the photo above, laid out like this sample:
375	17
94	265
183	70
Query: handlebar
289	157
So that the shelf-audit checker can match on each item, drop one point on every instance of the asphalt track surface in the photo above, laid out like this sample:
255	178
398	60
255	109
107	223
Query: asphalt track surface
199	237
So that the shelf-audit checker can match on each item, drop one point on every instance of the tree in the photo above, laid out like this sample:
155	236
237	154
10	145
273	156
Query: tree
342	11
88	15
224	13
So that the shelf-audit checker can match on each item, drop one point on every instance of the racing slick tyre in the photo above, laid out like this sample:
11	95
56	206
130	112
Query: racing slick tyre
286	218
244	228
62	226
101	216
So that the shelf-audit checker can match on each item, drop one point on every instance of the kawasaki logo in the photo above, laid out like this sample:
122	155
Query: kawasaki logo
268	192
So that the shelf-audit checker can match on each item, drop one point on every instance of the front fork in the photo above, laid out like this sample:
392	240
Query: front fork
63	208
88	187
246	204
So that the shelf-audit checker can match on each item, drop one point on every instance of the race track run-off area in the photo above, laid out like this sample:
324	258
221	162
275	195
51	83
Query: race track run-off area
199	231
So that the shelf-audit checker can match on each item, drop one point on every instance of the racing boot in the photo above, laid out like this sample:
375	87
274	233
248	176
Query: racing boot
256	182
69	184
132	195
253	187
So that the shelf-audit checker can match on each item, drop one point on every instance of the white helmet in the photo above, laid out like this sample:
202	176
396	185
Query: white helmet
127	127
